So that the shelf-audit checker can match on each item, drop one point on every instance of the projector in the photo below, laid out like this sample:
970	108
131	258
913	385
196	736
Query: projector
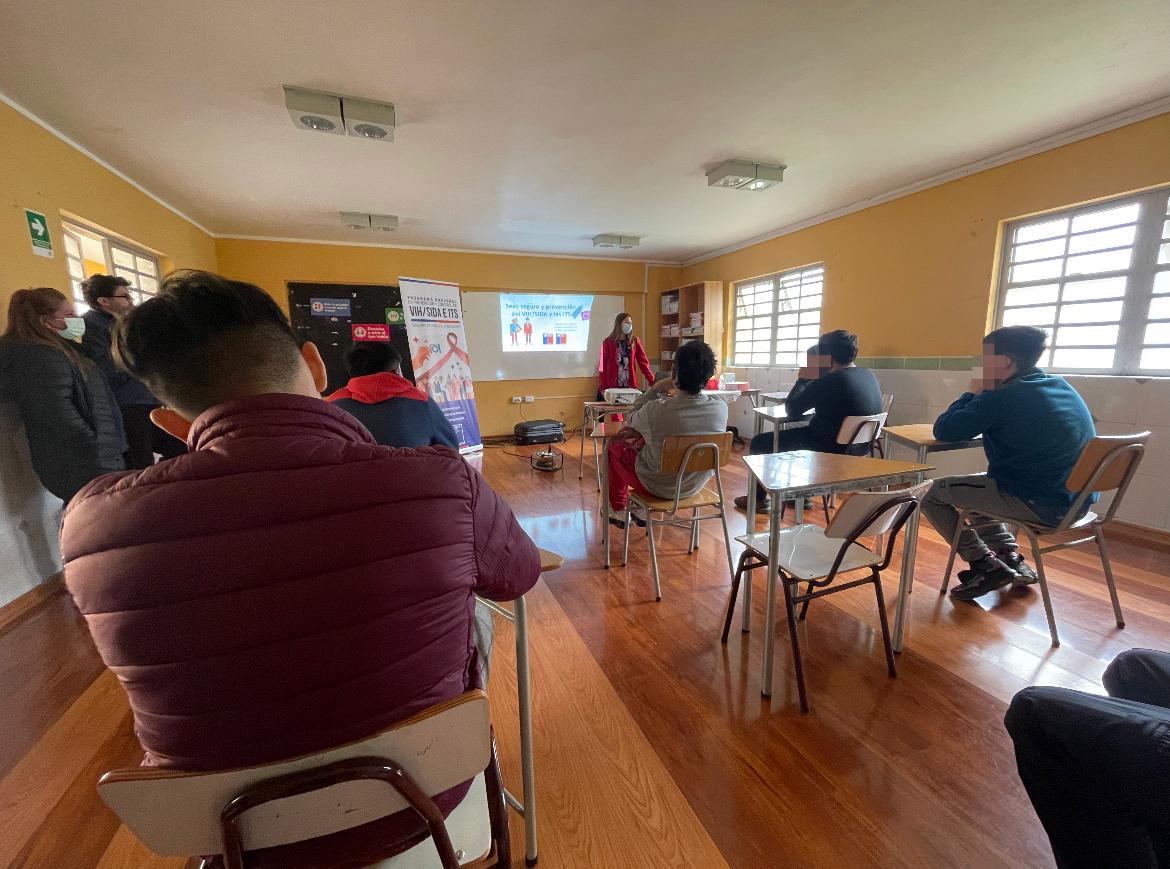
539	431
621	396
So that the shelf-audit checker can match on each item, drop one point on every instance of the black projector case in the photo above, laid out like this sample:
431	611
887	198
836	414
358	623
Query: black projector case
539	431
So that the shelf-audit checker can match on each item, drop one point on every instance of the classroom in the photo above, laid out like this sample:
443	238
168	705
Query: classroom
585	435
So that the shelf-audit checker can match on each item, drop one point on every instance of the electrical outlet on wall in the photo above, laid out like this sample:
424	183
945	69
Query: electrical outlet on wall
516	399
528	399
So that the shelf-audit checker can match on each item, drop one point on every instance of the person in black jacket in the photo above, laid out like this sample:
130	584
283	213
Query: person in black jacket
834	388
396	412
70	417
109	300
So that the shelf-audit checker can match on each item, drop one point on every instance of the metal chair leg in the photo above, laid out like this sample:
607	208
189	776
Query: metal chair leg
584	434
726	538
951	555
796	662
654	562
1036	556
825	505
626	538
1099	533
694	528
736	577
881	604
597	465
804	605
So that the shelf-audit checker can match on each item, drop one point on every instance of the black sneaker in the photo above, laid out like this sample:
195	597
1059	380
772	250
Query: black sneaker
763	505
990	574
1024	574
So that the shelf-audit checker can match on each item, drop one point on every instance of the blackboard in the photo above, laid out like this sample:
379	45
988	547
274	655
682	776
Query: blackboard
333	335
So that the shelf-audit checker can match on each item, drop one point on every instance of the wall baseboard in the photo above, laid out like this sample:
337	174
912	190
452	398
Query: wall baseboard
1140	535
14	611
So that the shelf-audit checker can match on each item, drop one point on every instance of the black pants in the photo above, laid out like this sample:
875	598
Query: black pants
1098	768
144	438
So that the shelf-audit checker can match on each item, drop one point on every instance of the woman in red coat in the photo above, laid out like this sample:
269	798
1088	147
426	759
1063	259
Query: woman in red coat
622	357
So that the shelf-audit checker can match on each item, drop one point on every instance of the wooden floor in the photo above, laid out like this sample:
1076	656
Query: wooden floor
654	746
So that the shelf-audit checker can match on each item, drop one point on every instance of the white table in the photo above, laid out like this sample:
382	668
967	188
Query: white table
595	412
920	438
774	397
730	395
777	414
602	432
519	617
796	475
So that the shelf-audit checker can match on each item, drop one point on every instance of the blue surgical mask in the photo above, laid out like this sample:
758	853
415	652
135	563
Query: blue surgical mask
627	328
74	328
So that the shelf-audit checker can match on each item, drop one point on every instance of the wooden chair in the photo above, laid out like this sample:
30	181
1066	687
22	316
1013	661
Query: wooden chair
855	431
811	554
1106	464
237	811
680	455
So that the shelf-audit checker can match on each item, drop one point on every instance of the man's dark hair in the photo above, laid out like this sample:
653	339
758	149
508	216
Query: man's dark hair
372	357
101	287
840	346
1024	345
694	365
205	339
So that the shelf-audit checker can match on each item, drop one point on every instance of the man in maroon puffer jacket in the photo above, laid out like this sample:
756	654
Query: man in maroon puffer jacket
288	585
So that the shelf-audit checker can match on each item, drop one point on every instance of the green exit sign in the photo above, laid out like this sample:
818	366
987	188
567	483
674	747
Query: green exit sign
38	231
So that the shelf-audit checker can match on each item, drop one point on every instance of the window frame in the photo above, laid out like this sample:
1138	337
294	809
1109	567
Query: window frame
1139	280
109	244
773	318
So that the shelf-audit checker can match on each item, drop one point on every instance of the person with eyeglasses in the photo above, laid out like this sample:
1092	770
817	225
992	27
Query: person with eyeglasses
110	300
70	417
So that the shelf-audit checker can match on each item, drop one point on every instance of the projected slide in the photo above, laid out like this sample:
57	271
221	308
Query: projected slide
544	322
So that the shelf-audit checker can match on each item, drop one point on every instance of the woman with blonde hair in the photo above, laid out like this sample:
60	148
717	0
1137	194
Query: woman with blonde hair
70	417
622	357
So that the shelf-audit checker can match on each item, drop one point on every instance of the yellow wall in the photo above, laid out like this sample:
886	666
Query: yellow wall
271	265
41	172
914	276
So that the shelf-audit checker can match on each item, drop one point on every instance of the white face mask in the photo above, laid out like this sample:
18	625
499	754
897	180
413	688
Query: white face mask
74	328
627	328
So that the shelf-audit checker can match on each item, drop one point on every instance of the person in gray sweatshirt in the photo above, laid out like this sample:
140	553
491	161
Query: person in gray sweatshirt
672	406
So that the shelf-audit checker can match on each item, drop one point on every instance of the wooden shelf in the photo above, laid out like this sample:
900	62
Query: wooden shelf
704	297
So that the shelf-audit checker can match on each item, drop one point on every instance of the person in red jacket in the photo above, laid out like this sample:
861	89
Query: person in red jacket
288	585
622	357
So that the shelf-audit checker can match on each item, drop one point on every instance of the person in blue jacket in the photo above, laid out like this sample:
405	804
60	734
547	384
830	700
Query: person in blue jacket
1034	426
395	411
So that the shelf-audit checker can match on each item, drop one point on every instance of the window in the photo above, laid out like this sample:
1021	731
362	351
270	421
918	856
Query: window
1097	279
89	252
778	317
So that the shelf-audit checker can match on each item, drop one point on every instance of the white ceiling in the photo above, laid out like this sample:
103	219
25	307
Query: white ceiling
532	126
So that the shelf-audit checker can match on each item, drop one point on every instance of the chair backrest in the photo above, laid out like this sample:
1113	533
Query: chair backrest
675	447
861	429
1106	462
887	401
861	514
179	813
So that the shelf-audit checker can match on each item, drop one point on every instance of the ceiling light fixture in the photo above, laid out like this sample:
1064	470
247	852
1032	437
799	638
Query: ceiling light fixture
362	220
746	175
313	110
609	239
324	112
368	119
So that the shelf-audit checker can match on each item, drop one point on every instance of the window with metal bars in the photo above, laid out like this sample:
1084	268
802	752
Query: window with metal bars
778	317
1097	279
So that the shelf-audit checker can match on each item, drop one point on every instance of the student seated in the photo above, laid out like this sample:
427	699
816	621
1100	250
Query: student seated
1097	769
1034	426
833	387
288	585
396	412
672	406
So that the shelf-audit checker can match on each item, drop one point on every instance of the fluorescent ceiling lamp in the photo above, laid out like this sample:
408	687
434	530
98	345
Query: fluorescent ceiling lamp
355	219
384	222
745	175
